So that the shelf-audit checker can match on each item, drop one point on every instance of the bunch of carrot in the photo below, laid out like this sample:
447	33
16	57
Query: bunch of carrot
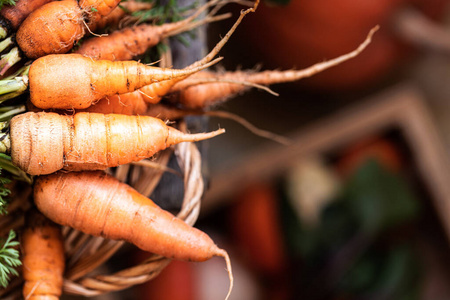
92	108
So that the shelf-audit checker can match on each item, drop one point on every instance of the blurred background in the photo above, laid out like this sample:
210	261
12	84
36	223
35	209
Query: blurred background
358	206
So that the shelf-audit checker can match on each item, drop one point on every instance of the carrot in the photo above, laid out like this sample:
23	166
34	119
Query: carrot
73	81
42	143
11	16
154	92
193	95
56	26
42	257
98	204
132	41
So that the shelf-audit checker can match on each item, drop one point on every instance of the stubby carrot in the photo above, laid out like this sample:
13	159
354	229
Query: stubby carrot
43	258
193	95
98	204
68	81
52	28
42	143
56	26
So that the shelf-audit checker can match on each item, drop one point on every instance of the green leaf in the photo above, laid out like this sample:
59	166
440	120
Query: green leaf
9	259
7	2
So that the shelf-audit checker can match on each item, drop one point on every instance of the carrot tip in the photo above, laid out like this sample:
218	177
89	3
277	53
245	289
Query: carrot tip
224	254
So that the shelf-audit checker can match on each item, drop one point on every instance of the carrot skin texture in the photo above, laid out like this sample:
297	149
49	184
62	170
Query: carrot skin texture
98	204
42	258
15	14
88	141
40	34
72	81
96	9
124	44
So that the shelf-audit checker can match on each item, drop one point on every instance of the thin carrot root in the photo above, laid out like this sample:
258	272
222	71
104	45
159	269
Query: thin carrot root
153	93
224	254
195	96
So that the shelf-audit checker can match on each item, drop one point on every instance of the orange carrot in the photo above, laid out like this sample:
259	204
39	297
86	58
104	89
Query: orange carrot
42	143
56	26
96	9
193	95
153	93
98	204
53	28
73	81
42	258
132	41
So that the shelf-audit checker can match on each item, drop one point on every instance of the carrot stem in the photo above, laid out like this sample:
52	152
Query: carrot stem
7	165
10	59
5	43
3	32
14	85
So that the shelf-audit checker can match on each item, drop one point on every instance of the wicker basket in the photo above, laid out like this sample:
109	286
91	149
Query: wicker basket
85	253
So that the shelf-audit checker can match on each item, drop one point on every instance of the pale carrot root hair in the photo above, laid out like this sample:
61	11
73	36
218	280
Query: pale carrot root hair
43	143
103	206
52	85
43	259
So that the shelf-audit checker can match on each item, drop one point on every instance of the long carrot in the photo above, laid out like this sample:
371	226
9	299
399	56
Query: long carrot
98	204
153	93
42	258
69	81
42	143
132	41
193	95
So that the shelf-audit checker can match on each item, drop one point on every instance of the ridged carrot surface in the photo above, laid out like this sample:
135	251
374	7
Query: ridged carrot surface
42	143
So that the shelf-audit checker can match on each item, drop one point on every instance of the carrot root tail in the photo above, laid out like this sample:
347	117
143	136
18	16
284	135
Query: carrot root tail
224	254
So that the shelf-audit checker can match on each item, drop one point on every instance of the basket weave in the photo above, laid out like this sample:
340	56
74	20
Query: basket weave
85	253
